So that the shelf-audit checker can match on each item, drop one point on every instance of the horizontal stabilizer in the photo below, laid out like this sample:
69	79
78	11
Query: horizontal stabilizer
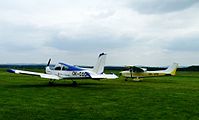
104	76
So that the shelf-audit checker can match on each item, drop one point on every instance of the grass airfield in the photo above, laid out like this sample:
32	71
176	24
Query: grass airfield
167	98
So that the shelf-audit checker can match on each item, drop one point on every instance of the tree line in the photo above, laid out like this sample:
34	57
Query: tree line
42	66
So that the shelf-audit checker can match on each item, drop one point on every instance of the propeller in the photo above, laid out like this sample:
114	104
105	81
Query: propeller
49	62
47	65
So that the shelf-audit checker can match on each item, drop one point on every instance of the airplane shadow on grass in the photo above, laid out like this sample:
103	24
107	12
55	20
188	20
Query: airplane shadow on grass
143	81
67	85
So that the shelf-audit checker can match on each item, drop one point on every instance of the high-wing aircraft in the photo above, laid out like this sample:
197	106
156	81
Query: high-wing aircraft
136	72
66	71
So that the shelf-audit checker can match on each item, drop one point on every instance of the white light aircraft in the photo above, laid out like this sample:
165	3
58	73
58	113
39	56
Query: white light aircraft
66	71
136	72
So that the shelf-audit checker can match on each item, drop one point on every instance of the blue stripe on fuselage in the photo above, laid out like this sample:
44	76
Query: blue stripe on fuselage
71	68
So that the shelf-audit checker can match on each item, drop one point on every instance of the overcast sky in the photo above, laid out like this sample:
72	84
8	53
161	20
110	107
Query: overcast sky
131	32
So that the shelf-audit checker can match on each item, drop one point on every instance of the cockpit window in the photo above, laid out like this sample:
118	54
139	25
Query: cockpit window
64	68
58	68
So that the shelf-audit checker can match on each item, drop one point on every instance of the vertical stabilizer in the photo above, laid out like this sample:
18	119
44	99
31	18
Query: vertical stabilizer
99	67
172	69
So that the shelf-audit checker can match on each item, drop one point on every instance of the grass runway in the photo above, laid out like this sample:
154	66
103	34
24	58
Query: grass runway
25	97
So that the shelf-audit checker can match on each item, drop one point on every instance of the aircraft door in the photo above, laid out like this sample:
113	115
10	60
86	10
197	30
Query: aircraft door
63	72
58	70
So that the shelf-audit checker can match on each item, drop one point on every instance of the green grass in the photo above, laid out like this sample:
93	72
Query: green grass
168	98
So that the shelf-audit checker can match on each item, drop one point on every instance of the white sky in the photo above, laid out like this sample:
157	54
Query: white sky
131	32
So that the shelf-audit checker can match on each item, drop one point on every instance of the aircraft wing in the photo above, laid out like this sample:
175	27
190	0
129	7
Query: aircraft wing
42	75
135	69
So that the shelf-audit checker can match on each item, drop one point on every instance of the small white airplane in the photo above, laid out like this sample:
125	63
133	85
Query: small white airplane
66	71
136	72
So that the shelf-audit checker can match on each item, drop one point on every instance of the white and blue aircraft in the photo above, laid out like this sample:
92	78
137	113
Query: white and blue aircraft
66	71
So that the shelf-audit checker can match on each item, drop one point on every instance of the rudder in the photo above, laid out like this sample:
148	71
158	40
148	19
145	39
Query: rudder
99	67
172	69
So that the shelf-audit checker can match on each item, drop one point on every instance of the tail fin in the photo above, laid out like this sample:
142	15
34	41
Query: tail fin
99	67
172	69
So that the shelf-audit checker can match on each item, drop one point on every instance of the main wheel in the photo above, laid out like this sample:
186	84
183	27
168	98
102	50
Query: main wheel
74	83
51	82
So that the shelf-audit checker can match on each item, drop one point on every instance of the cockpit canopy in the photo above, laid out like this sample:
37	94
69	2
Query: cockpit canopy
66	67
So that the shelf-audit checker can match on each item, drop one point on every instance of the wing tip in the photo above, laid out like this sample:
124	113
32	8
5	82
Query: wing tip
11	71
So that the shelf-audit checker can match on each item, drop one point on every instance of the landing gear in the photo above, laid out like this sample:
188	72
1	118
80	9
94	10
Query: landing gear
137	79
51	82
74	83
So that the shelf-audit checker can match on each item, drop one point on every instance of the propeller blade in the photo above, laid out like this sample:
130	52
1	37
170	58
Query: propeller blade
49	62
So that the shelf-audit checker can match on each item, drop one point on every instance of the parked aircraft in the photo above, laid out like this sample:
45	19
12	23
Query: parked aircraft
66	71
136	72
